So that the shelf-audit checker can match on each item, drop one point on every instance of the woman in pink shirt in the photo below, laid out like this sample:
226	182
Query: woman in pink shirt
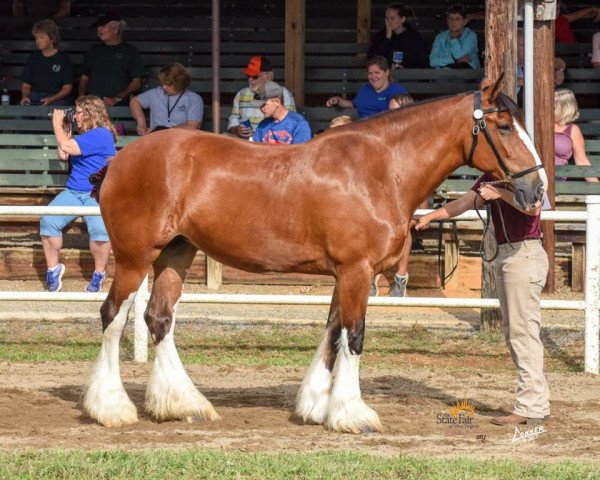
568	139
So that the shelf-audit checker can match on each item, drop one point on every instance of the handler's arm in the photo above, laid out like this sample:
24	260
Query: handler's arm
460	205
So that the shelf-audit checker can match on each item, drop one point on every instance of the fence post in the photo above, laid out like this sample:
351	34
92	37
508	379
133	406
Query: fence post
592	285
140	330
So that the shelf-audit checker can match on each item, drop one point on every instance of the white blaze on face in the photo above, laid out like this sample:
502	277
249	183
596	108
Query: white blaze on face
529	144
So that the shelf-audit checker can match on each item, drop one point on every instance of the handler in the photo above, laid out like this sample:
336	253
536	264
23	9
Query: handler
521	267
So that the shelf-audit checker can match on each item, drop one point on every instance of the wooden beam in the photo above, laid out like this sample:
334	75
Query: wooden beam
295	28
500	57
543	67
214	277
363	21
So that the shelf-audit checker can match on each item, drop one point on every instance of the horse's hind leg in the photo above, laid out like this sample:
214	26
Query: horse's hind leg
313	397
347	412
170	393
105	398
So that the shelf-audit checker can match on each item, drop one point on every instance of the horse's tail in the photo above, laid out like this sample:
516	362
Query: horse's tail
96	180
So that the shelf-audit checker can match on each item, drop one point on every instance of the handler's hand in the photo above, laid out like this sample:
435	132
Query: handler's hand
488	192
421	223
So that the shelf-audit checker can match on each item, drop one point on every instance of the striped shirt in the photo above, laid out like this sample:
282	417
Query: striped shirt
242	109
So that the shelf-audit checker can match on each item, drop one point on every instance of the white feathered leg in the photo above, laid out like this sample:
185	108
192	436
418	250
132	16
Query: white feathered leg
170	393
314	393
347	411
105	398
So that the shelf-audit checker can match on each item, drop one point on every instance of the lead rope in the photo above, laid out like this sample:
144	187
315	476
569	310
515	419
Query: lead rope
486	229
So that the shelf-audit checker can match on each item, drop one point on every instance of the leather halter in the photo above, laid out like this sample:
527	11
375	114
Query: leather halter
481	126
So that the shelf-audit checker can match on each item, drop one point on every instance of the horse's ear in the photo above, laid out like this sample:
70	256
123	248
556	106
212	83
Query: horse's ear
491	89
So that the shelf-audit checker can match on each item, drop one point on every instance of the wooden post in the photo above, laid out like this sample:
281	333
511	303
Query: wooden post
294	49
363	21
214	270
543	39
500	56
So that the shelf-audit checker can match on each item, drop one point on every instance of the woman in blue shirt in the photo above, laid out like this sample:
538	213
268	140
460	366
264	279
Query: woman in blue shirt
88	152
374	97
457	46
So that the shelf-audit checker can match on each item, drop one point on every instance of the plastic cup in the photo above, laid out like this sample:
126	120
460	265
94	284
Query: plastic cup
246	123
397	57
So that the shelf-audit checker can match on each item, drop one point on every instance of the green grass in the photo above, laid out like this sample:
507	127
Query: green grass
280	345
206	464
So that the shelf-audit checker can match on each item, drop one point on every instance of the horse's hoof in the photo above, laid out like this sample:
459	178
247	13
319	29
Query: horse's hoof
107	402
311	410
355	417
112	415
186	404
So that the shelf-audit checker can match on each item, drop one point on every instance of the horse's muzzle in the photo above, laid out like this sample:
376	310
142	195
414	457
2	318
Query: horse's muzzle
528	195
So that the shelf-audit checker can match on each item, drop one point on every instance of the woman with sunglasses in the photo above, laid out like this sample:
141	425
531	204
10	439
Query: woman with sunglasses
171	104
88	152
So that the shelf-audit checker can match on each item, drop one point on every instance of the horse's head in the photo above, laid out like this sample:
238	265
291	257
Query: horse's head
506	151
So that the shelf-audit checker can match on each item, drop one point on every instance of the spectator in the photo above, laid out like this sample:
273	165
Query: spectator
280	125
171	105
88	153
398	288
259	71
521	268
559	71
42	8
341	120
399	36
562	25
568	139
373	97
113	69
48	73
457	46
559	67
596	50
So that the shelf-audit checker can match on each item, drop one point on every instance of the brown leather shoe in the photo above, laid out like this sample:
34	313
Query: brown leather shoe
512	419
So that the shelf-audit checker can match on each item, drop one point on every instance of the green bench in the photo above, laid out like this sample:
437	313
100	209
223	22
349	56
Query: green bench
462	179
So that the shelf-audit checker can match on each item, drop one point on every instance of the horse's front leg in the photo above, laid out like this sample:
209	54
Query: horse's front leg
170	393
313	397
105	398
347	412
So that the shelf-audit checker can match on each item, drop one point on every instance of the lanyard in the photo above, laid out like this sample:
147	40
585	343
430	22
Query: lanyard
170	109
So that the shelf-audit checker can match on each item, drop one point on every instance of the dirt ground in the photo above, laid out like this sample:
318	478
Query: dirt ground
40	403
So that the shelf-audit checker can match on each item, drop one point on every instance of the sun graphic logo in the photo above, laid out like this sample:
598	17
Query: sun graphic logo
462	406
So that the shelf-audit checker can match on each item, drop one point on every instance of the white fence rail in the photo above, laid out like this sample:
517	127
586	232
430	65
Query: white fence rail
590	305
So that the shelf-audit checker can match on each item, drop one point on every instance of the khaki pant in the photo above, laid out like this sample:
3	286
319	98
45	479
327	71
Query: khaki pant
520	277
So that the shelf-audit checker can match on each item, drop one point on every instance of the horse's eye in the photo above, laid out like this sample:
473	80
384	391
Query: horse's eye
505	128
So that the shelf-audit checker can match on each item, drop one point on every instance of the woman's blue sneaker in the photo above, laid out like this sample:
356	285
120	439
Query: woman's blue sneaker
54	278
96	282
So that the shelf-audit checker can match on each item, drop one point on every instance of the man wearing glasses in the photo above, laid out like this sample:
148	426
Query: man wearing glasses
245	116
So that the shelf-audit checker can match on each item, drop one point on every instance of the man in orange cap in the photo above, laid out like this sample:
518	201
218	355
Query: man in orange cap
245	117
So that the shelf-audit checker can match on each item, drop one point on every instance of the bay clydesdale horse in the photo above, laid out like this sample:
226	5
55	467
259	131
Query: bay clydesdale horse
338	205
